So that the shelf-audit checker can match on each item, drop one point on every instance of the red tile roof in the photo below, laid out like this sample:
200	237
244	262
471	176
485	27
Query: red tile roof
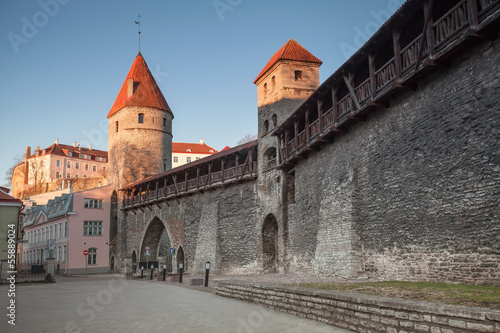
290	51
5	197
62	150
196	148
146	91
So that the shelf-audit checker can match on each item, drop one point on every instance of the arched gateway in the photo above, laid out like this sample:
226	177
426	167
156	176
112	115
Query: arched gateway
158	241
270	244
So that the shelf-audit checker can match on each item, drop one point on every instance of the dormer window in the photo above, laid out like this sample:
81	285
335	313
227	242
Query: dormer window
188	150
210	151
141	118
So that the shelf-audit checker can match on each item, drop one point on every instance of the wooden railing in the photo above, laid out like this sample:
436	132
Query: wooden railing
448	30
182	187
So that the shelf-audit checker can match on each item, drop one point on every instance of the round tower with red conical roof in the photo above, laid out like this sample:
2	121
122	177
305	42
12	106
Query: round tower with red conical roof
140	129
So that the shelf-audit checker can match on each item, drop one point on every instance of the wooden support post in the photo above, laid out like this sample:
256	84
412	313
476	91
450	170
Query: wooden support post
306	127
430	33
396	37
186	174
473	19
373	83
237	159
197	177
174	178
320	114
335	117
287	137
222	162
428	14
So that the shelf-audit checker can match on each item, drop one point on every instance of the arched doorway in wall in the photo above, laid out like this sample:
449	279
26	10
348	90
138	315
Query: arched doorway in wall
134	262
180	258
158	241
270	244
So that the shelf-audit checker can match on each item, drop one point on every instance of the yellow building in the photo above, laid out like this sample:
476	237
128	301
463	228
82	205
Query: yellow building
10	208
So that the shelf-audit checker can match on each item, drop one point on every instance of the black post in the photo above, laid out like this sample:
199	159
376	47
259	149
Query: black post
207	272
181	266
164	271
142	272
151	272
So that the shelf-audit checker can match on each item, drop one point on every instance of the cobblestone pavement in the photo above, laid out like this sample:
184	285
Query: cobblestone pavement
106	303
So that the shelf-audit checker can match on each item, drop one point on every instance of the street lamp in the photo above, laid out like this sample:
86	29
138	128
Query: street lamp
181	266
207	271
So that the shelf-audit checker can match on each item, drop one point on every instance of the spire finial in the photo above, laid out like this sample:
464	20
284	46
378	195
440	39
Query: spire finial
139	24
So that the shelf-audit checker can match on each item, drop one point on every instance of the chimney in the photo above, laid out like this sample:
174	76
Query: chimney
37	152
90	147
202	142
28	153
74	144
130	87
57	141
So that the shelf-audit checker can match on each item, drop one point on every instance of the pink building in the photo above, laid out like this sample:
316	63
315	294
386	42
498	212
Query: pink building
65	227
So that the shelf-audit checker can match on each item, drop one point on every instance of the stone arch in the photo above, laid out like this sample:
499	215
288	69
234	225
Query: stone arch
134	262
180	258
270	244
157	239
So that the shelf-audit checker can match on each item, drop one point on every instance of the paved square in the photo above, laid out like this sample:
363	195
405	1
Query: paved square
108	304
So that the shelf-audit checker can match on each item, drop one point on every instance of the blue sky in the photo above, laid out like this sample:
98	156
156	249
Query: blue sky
64	61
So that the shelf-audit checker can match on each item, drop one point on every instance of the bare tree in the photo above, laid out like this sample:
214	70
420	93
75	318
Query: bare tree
36	176
247	138
10	172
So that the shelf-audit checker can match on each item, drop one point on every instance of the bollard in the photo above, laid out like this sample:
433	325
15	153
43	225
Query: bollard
181	266
142	272
164	271
207	271
152	267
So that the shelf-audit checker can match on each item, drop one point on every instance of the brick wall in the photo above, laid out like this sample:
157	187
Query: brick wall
364	313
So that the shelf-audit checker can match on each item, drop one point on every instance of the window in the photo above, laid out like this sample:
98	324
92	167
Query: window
164	122
50	232
92	203
176	159
94	168
141	118
69	164
92	228
92	256
77	165
197	158
116	125
58	163
58	256
59	233
69	154
266	126
298	75
68	175
65	232
273	83
164	166
265	88
275	120
58	175
188	159
64	254
86	167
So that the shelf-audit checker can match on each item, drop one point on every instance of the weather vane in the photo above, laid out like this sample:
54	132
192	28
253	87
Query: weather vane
139	24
